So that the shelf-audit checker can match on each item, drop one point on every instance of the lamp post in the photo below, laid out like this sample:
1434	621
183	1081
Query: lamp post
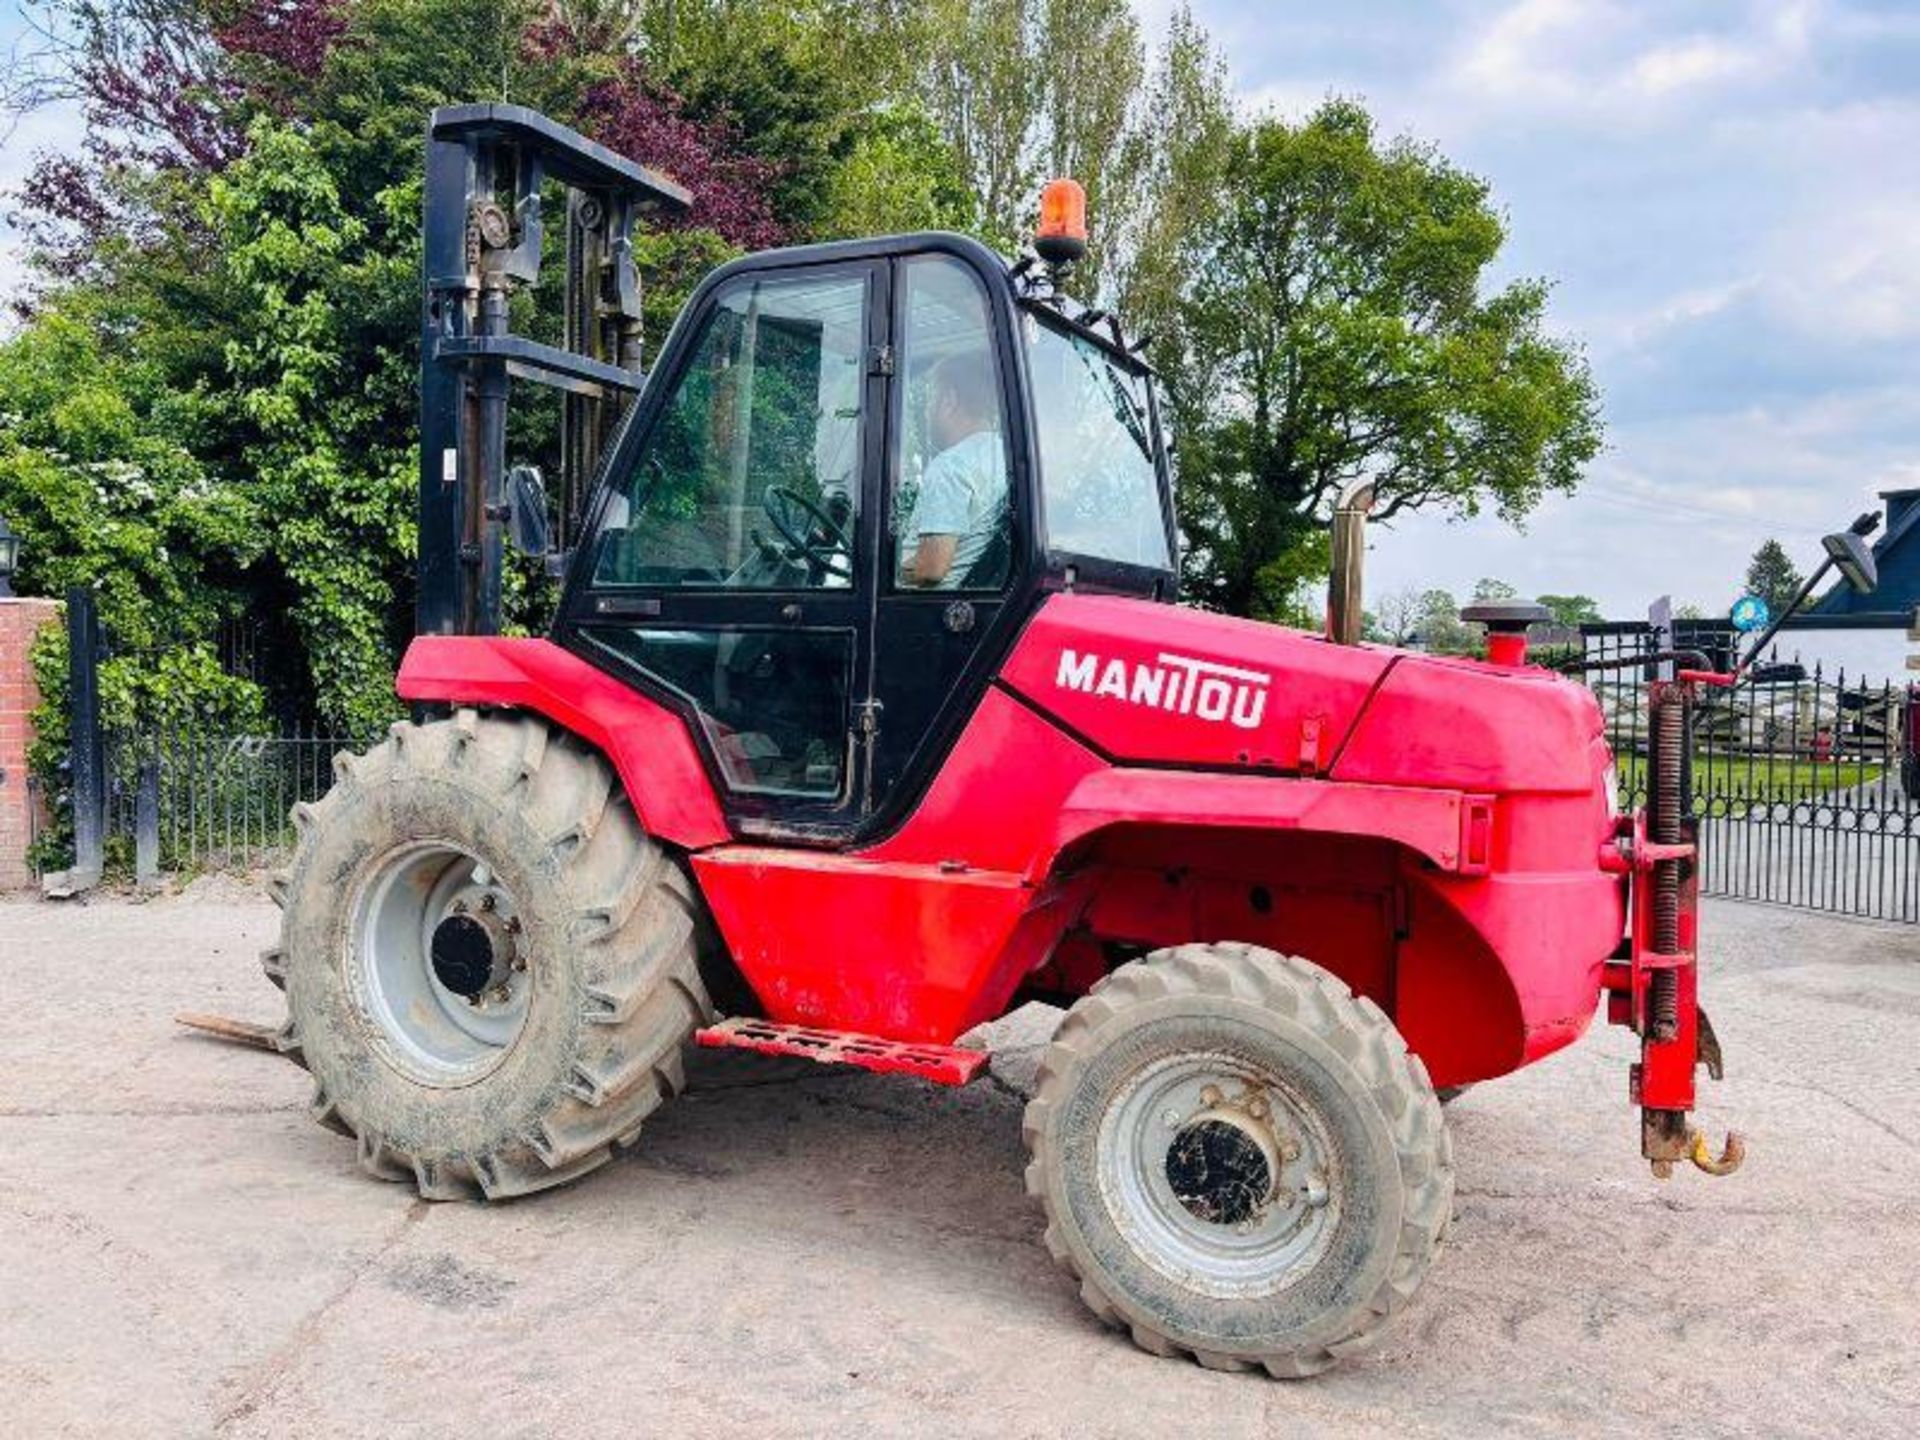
9	558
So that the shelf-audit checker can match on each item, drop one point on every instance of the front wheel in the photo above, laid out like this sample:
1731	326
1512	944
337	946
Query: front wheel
1238	1159
490	967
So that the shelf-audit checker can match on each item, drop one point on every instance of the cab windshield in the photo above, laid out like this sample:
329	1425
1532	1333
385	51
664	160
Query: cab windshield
1098	461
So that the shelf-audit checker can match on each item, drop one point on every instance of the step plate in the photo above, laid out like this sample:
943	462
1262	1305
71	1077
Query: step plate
942	1064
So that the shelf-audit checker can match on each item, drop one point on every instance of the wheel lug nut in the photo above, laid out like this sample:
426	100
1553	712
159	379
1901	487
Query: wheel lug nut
1172	1119
487	901
1211	1095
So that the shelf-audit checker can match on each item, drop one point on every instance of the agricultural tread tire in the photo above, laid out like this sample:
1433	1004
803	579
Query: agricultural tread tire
1380	1072
614	928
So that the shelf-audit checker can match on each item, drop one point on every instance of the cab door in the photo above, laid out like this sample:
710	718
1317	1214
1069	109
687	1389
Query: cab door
730	569
955	553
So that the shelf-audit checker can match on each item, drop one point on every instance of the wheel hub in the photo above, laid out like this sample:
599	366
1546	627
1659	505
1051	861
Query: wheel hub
1219	1174
1221	1169
438	963
472	952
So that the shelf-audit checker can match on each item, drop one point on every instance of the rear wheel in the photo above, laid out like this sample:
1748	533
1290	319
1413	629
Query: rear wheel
490	968
1238	1159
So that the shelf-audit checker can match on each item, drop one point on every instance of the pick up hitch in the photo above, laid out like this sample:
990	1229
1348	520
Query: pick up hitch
1731	1156
1652	983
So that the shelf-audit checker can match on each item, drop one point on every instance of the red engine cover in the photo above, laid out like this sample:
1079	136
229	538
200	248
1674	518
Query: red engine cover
1152	682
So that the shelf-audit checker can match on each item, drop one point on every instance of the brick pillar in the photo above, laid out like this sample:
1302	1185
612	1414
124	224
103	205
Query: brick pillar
20	621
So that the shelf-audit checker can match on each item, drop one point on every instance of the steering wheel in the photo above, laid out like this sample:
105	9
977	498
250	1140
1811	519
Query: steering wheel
823	542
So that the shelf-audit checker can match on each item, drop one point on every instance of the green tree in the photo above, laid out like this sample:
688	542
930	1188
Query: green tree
1177	164
984	91
1488	588
244	283
98	476
1572	610
341	500
898	175
1395	617
1771	575
1333	325
792	81
1025	90
1438	626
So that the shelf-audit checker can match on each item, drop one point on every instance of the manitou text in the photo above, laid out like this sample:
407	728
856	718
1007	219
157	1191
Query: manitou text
1178	684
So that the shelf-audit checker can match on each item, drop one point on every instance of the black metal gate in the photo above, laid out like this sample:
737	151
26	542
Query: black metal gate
188	796
1798	776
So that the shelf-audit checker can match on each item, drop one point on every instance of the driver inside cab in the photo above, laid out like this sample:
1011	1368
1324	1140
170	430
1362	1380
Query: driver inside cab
963	494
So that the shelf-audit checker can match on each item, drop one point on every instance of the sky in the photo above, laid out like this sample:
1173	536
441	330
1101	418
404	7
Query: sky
54	127
1726	197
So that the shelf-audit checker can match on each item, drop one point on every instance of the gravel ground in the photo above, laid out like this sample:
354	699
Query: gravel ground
796	1251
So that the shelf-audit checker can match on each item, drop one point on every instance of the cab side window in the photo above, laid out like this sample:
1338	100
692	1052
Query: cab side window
951	520
750	478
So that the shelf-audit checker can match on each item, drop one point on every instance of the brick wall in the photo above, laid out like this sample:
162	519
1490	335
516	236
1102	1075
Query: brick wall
20	621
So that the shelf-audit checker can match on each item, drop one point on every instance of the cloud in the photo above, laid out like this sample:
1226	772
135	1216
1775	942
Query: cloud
1616	63
1726	194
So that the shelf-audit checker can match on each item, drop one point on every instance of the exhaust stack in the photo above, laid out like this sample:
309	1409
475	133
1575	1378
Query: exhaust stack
1346	596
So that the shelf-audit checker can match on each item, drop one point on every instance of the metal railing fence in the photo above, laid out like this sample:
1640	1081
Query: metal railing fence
1798	777
189	799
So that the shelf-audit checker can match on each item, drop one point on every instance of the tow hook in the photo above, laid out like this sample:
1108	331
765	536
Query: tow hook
1732	1154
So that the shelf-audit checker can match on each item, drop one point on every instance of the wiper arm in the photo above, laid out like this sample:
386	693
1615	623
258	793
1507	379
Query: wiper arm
1126	410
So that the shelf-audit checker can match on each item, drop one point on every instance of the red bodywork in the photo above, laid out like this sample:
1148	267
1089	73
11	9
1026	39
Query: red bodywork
1435	832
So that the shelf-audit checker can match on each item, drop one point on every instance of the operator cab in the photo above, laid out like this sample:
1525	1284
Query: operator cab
852	475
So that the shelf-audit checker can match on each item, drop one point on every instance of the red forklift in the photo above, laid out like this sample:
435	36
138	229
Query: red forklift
867	715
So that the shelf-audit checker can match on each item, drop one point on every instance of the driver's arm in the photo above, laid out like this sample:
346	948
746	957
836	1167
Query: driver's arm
930	561
940	518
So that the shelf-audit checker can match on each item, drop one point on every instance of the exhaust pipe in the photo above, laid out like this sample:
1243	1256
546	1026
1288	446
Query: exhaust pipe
1345	595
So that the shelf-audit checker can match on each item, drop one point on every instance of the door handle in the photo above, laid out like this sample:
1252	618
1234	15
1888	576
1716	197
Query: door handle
790	612
626	605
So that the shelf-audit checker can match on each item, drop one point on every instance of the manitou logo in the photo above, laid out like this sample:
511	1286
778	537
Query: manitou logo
1178	684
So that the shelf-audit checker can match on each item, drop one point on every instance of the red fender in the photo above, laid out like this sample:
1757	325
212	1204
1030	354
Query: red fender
1438	824
648	744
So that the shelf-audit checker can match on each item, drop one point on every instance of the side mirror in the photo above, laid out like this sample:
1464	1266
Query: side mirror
527	510
1853	559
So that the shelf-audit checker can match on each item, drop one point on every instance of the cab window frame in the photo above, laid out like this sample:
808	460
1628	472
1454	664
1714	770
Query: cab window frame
1009	376
1101	571
677	357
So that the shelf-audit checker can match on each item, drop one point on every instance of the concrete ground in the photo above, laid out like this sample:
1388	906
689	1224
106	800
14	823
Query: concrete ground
795	1251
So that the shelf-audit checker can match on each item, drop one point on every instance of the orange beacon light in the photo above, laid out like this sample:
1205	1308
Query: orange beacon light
1062	234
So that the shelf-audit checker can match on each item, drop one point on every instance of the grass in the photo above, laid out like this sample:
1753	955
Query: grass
1759	777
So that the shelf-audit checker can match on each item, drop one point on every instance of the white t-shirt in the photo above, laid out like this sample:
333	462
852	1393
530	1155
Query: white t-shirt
964	494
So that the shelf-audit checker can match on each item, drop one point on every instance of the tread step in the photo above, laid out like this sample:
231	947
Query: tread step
942	1064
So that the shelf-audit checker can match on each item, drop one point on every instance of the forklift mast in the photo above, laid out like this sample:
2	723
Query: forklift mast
487	167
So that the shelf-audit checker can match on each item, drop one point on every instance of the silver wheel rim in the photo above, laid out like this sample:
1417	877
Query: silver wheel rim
420	1024
1244	1229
